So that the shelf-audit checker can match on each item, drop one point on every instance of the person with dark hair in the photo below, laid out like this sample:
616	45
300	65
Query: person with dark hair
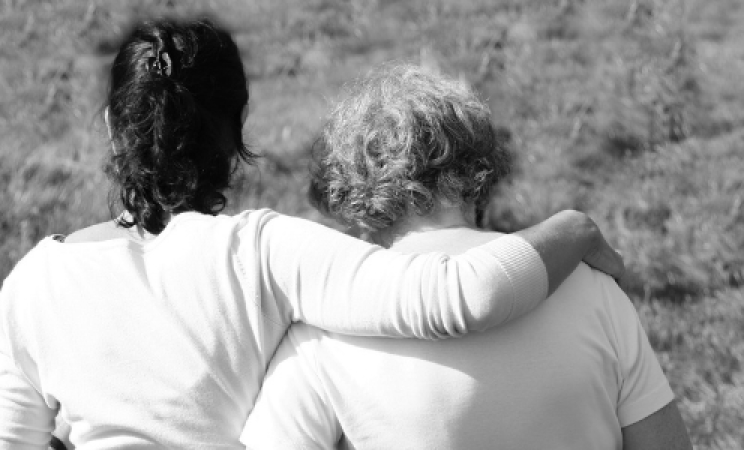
175	110
154	330
408	157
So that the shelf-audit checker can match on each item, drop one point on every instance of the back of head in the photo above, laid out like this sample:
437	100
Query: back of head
402	141
175	107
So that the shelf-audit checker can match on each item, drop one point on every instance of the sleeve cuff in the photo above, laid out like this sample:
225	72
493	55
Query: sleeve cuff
525	271
630	413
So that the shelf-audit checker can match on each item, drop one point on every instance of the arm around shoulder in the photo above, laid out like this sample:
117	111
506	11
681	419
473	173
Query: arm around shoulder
346	285
342	284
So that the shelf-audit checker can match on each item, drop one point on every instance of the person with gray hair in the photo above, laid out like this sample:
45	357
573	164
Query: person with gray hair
408	159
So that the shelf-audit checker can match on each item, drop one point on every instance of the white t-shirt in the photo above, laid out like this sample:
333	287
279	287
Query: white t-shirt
165	344
567	376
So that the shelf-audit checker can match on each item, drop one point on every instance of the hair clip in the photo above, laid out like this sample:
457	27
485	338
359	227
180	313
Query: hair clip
161	62
165	65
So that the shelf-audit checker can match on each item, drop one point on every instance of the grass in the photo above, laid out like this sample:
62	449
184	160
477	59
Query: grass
631	111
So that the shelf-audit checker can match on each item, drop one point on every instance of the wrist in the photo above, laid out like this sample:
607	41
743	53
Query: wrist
586	233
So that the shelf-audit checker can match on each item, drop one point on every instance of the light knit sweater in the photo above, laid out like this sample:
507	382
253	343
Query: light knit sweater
165	344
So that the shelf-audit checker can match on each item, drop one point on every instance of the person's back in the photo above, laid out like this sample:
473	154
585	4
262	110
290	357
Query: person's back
138	334
569	375
555	367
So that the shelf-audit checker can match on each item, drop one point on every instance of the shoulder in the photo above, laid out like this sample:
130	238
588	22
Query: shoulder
31	263
597	291
452	241
615	299
590	282
588	292
95	233
27	281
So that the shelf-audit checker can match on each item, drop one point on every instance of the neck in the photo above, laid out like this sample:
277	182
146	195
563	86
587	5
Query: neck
137	232
441	218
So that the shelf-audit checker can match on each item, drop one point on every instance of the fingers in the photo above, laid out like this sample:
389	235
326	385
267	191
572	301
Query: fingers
608	260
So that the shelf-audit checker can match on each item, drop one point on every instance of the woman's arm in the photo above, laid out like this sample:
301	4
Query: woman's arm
26	421
662	430
293	409
342	284
646	410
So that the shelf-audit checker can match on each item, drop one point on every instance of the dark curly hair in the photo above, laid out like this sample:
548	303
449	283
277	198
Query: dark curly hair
401	141
177	93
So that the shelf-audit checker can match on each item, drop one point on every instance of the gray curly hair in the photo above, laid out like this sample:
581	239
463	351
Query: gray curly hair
402	140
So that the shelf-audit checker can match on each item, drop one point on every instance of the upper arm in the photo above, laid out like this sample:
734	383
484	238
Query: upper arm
26	421
643	388
662	430
292	410
343	284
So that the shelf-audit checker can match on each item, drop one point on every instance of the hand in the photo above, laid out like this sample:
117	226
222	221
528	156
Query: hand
602	256
606	259
565	239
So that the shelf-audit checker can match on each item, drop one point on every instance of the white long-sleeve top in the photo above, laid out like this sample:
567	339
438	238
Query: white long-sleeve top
165	344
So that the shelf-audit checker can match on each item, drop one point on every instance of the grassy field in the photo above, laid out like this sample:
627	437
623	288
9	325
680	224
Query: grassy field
629	110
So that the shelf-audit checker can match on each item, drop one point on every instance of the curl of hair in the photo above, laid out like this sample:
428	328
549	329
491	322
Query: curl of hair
176	133
401	141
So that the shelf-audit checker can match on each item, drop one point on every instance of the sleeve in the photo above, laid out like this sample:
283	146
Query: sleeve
343	284
292	410
644	389
26	421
